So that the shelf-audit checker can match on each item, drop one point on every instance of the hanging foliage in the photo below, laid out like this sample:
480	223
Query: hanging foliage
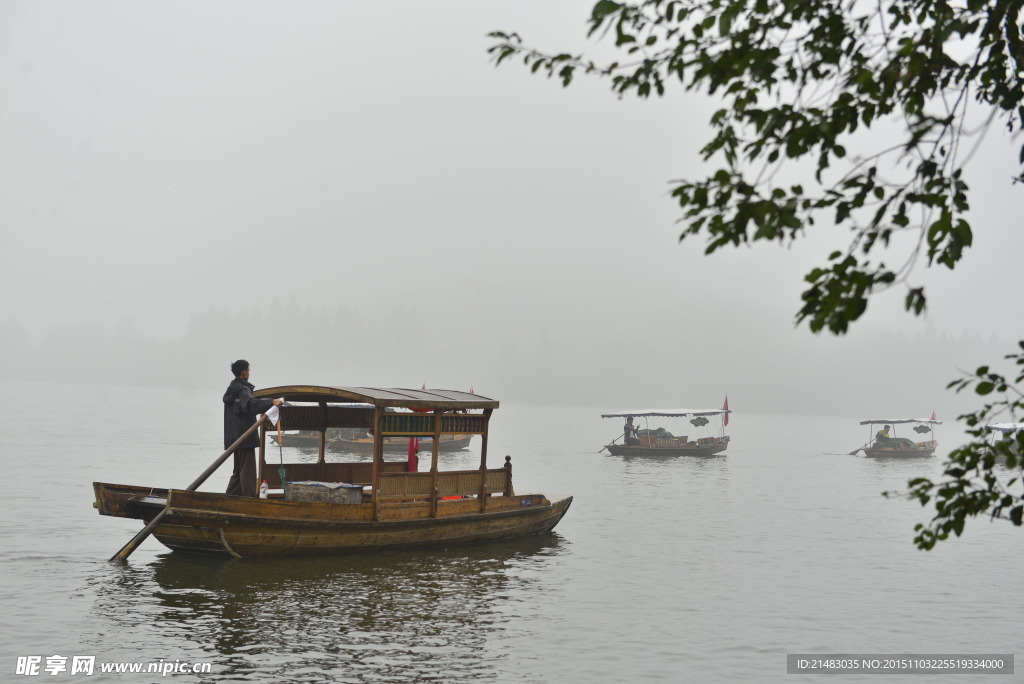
802	86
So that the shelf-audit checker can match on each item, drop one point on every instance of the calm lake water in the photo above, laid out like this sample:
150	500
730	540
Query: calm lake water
664	569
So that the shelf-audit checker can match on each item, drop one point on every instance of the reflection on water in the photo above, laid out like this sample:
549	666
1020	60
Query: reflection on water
664	458
388	616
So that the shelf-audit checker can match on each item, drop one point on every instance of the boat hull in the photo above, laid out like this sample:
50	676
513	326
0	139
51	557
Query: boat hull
918	450
203	522
717	446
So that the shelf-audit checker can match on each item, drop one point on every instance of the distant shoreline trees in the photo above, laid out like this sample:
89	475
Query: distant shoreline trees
784	373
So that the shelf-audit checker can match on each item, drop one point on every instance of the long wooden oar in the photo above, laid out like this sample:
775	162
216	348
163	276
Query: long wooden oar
128	548
613	442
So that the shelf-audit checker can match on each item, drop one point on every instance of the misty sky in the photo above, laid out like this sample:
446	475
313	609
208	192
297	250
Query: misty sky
162	159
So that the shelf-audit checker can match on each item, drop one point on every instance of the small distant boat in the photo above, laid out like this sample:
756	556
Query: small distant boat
347	439
660	442
1005	428
885	445
1007	431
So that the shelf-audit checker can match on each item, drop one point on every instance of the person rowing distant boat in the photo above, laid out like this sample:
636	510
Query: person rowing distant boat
882	438
629	431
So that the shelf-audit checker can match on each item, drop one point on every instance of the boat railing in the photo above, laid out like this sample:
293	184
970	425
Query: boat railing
670	442
448	483
662	441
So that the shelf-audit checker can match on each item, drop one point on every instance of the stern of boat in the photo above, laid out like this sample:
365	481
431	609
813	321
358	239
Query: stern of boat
122	501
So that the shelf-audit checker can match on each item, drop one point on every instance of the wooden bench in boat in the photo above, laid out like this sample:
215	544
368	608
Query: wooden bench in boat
352	473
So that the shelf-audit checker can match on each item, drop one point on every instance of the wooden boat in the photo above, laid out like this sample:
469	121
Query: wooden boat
1005	430
1007	438
893	446
660	442
380	505
339	439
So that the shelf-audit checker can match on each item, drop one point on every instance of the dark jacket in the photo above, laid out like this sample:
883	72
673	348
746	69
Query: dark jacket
240	409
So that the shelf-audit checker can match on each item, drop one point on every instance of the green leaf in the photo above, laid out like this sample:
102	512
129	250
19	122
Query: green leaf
1017	515
725	22
602	9
957	525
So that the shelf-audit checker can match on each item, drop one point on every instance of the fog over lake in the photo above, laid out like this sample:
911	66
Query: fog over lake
352	193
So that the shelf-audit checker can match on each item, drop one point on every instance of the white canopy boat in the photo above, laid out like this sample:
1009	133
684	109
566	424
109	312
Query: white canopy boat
1005	428
645	441
885	444
1011	432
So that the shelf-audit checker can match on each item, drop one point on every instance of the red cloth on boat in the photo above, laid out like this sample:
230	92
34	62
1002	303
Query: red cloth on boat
413	464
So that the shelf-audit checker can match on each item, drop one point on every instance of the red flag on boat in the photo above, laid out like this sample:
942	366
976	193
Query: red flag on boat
725	407
413	464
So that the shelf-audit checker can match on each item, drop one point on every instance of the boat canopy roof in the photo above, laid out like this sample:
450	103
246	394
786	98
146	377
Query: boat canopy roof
381	397
665	413
1005	427
894	421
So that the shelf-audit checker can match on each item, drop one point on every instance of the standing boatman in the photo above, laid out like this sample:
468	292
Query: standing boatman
240	410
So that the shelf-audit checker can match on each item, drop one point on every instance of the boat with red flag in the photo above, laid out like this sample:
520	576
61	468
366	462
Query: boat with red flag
704	432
